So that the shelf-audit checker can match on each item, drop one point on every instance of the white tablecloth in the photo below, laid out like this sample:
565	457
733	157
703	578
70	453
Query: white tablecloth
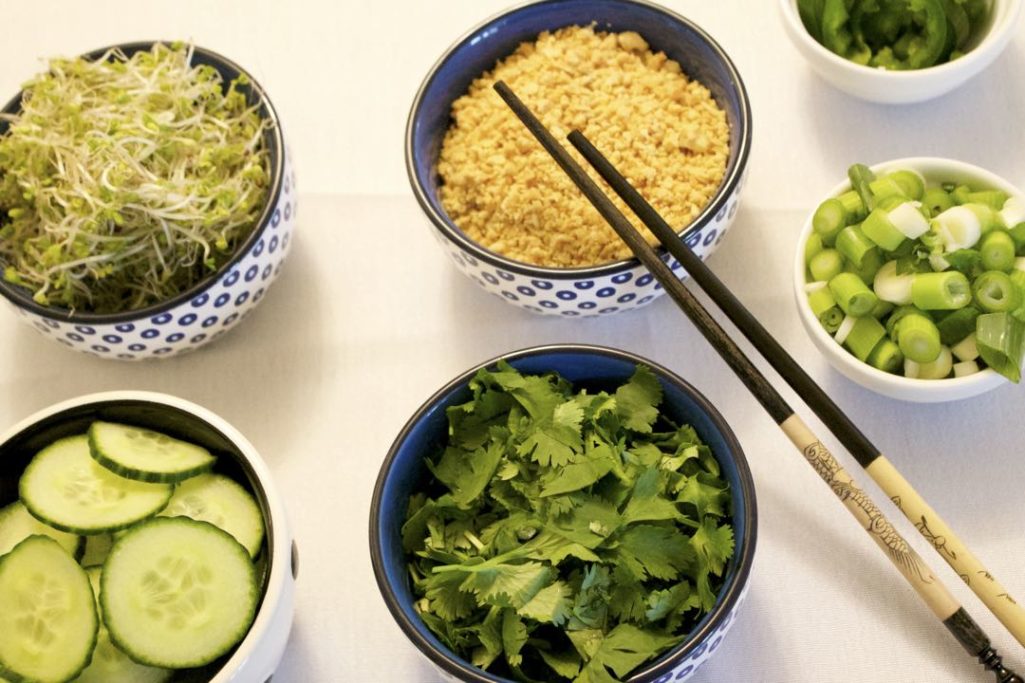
368	319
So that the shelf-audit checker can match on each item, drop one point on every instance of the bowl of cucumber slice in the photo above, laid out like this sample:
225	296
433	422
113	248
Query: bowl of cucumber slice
141	539
910	279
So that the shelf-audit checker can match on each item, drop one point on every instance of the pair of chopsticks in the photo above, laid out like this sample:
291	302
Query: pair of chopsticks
914	569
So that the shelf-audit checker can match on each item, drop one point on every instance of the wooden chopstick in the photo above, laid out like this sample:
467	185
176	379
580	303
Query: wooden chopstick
942	538
858	503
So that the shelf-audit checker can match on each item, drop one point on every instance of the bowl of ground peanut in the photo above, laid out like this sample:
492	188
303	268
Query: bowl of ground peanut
652	90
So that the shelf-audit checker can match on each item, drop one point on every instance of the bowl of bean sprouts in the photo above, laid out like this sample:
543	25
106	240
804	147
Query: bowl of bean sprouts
146	199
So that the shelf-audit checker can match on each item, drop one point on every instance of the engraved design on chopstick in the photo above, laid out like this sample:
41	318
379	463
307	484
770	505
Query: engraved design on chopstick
939	542
876	523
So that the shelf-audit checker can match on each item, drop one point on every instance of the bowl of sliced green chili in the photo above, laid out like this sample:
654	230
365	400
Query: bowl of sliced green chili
565	513
910	278
898	51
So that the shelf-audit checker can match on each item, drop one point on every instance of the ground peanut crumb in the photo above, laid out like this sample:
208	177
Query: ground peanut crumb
663	131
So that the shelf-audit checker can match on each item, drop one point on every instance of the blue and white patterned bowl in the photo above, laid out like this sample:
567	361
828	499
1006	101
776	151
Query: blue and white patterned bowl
594	290
213	306
598	367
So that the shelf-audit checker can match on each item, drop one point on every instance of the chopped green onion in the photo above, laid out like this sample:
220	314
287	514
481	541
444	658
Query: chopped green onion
958	325
908	219
1000	339
884	187
966	349
889	286
828	220
1013	212
878	228
997	250
900	313
960	194
944	291
831	319
852	294
854	244
992	198
959	227
863	337
918	338
821	299
812	246
994	292
826	264
936	200
939	368
886	356
881	309
965	368
861	175
854	208
912	184
844	329
871	262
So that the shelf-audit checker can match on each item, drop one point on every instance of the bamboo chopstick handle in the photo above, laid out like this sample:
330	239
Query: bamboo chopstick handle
949	546
858	503
911	566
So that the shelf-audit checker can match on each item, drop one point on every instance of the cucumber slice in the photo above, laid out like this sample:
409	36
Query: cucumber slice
177	593
111	665
64	487
221	501
16	524
145	455
48	622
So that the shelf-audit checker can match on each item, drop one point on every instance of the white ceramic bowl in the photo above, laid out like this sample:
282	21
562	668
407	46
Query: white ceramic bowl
212	307
897	386
256	657
901	87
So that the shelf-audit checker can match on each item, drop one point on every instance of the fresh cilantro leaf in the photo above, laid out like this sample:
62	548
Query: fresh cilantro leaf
714	543
627	599
580	473
586	641
505	585
556	437
591	603
648	502
636	400
626	647
446	598
514	637
706	494
565	663
661	552
660	603
550	605
467	473
589	523
489	634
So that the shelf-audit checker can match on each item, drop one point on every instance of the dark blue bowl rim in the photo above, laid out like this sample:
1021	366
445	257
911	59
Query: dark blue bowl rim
729	595
454	234
18	296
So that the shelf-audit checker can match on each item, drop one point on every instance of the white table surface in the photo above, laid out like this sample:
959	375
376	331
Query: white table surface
368	319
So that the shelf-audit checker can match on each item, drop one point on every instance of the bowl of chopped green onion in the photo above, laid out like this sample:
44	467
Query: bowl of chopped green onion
899	51
160	540
910	278
565	513
146	199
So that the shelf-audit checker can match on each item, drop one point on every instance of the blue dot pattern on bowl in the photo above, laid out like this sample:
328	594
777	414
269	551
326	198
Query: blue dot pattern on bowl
176	330
588	296
703	652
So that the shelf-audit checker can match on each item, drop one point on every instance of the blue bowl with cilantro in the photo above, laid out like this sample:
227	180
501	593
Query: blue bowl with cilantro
565	513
